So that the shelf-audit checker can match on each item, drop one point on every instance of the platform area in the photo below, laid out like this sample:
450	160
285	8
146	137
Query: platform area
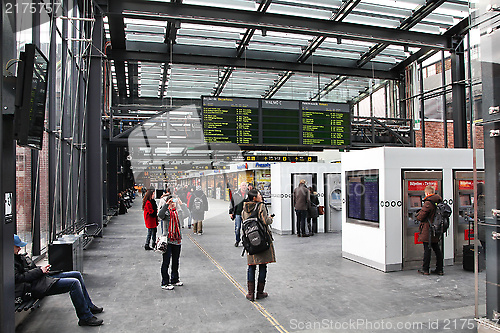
311	288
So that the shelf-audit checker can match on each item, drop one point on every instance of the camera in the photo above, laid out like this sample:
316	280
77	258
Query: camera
272	215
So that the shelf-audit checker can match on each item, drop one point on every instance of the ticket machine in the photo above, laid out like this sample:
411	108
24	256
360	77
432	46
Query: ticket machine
333	202
414	183
463	209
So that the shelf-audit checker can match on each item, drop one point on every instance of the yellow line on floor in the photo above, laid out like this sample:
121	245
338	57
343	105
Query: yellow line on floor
256	304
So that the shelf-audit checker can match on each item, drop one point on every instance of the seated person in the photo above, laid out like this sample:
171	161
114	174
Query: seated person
41	283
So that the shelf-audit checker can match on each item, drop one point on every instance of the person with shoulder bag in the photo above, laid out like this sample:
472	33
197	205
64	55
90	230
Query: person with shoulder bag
263	258
40	282
172	231
312	211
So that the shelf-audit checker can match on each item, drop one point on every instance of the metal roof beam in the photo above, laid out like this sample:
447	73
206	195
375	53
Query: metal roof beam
407	24
216	60
277	22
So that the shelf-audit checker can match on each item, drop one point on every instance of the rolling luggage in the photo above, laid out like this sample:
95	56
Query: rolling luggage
468	255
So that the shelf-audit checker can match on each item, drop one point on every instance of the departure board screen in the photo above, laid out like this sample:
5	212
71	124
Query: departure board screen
280	122
363	196
325	124
231	120
265	122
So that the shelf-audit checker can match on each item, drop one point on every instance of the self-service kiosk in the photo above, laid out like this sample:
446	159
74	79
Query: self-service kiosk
414	183
333	202
463	209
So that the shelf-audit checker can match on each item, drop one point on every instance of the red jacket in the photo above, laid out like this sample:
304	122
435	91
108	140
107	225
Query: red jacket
150	217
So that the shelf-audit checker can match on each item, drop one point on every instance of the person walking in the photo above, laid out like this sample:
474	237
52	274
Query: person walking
150	218
425	215
37	281
235	209
198	204
171	228
312	211
301	199
263	258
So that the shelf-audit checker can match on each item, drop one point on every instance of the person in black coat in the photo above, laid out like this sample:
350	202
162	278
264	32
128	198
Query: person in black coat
312	211
40	282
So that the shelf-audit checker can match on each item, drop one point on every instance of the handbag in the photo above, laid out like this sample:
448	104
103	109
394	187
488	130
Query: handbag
321	210
161	244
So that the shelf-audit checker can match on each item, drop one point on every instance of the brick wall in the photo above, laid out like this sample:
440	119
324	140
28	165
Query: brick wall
434	135
24	214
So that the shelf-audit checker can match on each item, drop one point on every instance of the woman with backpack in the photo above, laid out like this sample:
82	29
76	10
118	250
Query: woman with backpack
263	258
150	218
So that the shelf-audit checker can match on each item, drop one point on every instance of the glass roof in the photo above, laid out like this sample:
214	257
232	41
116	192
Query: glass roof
197	55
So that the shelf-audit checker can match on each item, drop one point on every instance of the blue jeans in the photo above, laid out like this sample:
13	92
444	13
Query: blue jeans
237	227
151	234
72	282
301	221
262	273
174	252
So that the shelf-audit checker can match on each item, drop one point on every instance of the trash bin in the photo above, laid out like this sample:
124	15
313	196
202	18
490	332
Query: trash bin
66	254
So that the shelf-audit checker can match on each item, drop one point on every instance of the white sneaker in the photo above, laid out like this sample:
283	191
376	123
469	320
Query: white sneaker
167	287
179	283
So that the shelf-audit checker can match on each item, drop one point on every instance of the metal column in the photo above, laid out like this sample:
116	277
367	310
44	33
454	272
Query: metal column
458	93
7	178
94	135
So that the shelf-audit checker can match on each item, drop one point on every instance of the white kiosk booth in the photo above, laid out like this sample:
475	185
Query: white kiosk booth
383	189
286	176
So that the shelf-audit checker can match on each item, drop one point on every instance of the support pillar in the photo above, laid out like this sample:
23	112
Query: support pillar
94	136
458	93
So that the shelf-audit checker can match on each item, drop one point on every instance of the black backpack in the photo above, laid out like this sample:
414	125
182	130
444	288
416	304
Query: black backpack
254	237
441	221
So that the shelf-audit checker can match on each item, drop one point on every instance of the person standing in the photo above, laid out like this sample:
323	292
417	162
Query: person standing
263	258
425	215
37	281
188	200
312	211
150	218
301	199
172	229
235	209
198	205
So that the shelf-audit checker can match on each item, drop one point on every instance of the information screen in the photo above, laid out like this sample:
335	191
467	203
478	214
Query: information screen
247	121
363	196
280	122
231	120
325	124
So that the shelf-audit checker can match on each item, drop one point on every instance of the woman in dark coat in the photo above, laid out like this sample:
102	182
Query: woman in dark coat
312	211
150	218
425	215
262	258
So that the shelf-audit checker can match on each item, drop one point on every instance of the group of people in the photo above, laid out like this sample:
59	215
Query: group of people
306	205
125	200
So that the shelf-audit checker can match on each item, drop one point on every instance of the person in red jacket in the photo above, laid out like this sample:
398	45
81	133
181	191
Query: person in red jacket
150	218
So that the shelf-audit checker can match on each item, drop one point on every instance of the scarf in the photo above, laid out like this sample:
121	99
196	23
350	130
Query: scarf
174	233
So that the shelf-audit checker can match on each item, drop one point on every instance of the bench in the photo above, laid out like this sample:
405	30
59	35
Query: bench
88	231
30	304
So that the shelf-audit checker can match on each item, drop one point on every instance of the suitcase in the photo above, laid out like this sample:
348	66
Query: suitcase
468	258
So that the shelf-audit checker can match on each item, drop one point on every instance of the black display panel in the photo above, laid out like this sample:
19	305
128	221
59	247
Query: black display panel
280	122
363	197
31	92
247	121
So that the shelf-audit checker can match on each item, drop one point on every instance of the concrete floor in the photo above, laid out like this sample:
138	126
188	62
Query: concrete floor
311	288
